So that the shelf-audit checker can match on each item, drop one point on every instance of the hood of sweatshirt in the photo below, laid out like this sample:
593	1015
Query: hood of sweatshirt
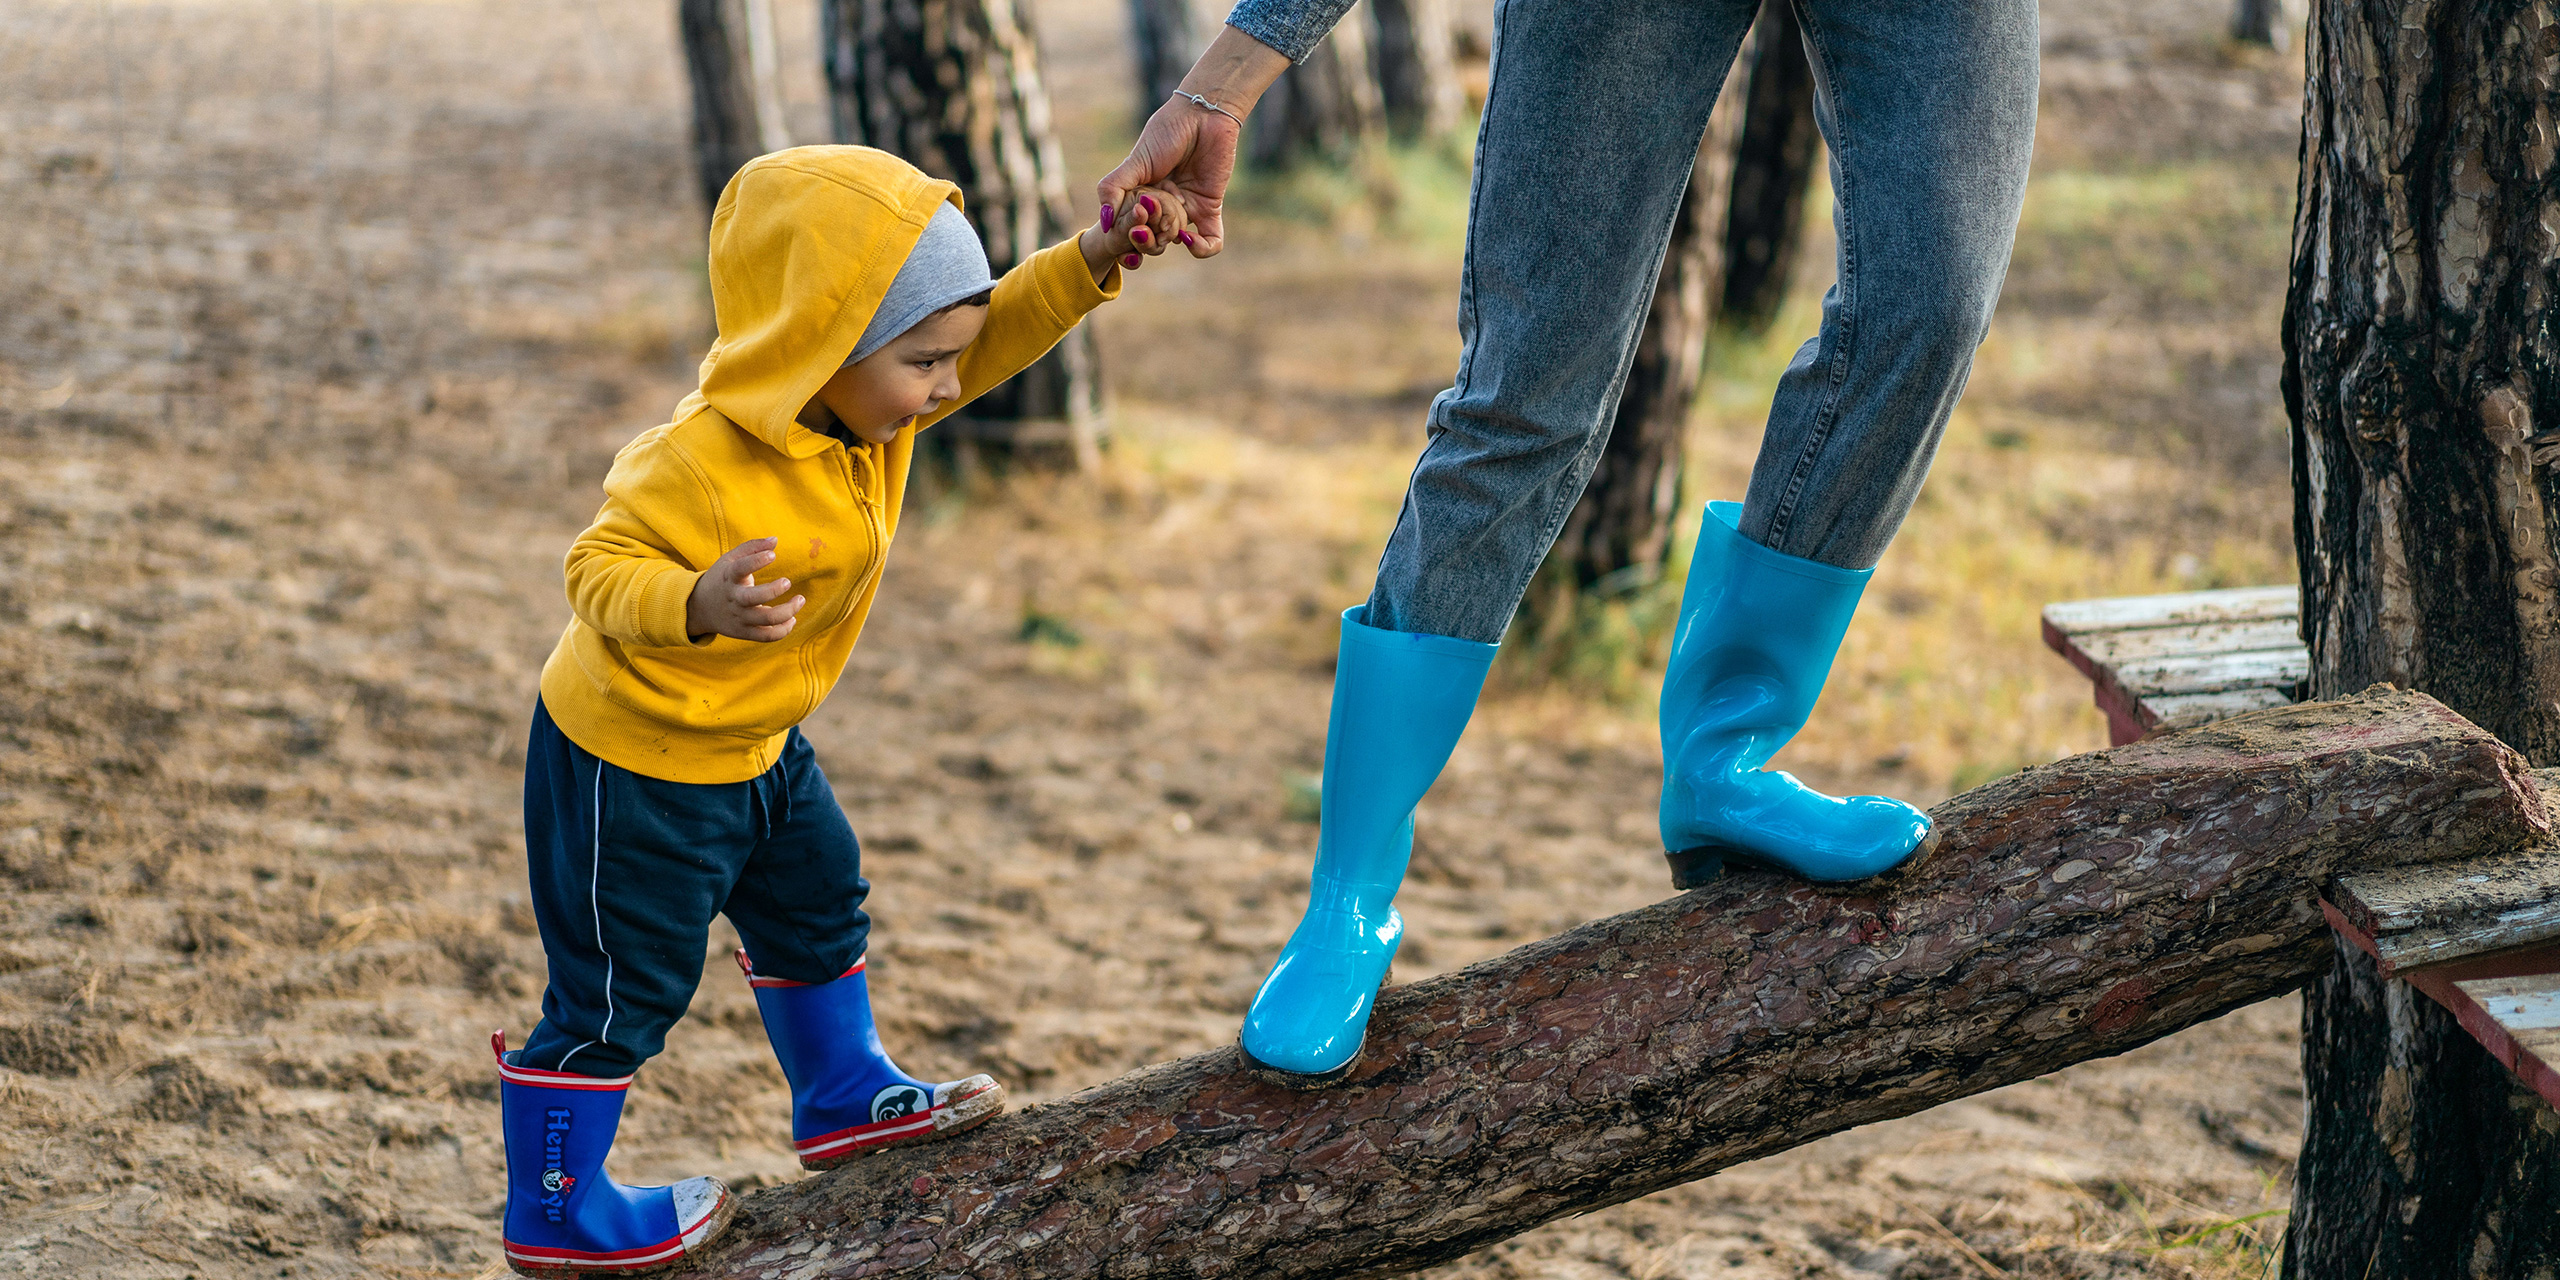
804	245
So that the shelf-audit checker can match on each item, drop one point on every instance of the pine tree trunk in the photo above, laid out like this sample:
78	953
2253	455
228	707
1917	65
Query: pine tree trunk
737	102
2419	361
1322	109
1619	534
1773	169
2421	1148
954	86
1418	68
1160	32
2258	22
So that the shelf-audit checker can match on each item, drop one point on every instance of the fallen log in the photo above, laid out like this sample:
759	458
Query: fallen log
2073	911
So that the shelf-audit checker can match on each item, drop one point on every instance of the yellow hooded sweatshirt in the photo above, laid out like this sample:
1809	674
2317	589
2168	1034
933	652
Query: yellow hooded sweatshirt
804	245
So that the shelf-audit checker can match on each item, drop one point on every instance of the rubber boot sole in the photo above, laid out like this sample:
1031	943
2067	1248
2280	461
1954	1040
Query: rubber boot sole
1700	865
962	1116
713	1226
1304	1081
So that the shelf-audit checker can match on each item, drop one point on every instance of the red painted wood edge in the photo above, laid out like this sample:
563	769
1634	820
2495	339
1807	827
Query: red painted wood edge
2124	715
2437	981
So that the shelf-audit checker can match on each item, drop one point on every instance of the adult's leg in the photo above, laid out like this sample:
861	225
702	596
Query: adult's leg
1581	160
1930	114
627	872
1930	111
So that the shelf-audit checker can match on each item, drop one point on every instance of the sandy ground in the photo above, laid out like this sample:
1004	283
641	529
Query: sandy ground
318	325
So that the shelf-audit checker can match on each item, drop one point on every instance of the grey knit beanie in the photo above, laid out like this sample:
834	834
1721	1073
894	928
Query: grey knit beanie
947	266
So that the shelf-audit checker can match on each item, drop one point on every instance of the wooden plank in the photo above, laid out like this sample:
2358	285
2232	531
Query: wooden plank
2215	672
2237	604
2432	915
2115	648
2186	711
2485	1006
2518	1021
2177	661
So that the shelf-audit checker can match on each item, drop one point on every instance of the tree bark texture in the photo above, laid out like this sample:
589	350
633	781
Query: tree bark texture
2421	368
737	102
1618	534
1418	68
1160	32
2421	376
1773	167
1322	109
2073	911
2403	1082
954	86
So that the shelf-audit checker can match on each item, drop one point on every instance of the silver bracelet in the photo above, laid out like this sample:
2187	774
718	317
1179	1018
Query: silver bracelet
1211	106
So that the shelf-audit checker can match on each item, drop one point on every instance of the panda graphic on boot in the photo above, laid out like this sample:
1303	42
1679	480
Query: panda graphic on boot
848	1098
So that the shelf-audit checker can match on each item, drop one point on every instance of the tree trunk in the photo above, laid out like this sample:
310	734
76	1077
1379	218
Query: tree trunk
2073	911
954	87
1322	109
1773	167
1619	534
2375	1049
730	57
1418	68
2258	22
2418	360
1160	33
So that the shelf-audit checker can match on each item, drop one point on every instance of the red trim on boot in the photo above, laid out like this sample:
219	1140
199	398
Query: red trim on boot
579	1259
550	1079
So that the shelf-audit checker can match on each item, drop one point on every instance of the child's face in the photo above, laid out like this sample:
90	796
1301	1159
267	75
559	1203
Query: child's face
881	393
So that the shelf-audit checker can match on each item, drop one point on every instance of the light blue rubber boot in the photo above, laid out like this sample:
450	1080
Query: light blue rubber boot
1400	701
1758	630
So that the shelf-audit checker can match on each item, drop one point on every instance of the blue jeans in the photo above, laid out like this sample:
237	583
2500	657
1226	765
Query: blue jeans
1595	116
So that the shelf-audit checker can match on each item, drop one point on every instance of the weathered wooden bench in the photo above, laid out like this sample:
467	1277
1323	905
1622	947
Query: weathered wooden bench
2480	936
2175	661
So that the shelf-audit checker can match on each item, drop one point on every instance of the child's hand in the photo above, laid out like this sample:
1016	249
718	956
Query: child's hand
727	601
1147	223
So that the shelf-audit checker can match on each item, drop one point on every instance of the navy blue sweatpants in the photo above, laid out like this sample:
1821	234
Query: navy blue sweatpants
627	872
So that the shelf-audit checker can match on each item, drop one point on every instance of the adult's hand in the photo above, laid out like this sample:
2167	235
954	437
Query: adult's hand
1190	150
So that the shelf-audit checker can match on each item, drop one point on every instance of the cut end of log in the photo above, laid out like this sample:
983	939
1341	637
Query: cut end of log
2317	749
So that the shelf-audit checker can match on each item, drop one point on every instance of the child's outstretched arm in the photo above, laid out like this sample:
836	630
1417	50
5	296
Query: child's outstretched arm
1038	302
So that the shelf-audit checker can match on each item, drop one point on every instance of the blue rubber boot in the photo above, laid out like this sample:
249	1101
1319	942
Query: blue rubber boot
847	1098
1400	701
565	1216
1758	630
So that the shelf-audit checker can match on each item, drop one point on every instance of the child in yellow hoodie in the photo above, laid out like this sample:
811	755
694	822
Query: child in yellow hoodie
717	595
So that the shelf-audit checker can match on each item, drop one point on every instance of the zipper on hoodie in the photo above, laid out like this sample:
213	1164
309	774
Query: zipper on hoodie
855	489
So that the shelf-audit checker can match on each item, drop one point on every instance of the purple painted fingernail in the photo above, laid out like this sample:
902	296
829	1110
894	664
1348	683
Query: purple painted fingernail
1106	217
1148	203
1141	235
1131	261
1185	238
